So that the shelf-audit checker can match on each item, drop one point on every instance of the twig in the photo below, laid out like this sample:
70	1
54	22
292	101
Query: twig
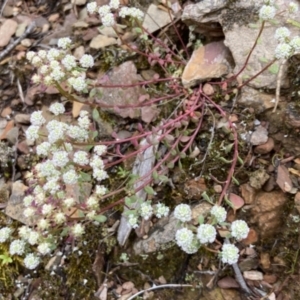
10	47
163	286
20	91
278	83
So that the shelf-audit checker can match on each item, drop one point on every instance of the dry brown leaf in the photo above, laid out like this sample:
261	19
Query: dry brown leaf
297	161
294	171
76	108
8	127
283	179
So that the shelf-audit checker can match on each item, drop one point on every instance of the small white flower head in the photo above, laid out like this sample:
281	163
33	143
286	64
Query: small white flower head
133	221
100	149
77	133
239	229
59	218
99	174
42	54
136	13
36	61
54	64
114	4
60	158
295	44
104	10
70	177
283	51
101	190
44	69
47	169
191	248
53	54
229	254
30	55
184	237
5	233
57	108
44	248
108	20
281	34
36	79
43	149
219	213
31	261
47	209
69	62
161	210
43	224
79	84
32	132
92	202
37	190
37	118
124	12
40	198
206	233
69	202
87	61
33	237
183	213
81	158
27	201
293	8
24	232
29	212
17	247
78	230
92	7
146	210
48	80
84	122
57	74
267	12
96	162
91	215
64	43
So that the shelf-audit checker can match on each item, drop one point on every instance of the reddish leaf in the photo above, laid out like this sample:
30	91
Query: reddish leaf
237	202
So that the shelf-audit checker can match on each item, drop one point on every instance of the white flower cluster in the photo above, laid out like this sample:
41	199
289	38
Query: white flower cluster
161	210
229	254
108	17
57	65
206	233
5	234
267	12
239	229
146	210
219	213
183	213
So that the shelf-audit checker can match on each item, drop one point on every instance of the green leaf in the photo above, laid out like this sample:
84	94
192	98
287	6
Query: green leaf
235	180
100	218
85	177
293	22
6	259
138	30
149	190
163	178
170	165
96	115
92	93
155	175
65	231
225	160
228	148
274	69
263	59
240	160
200	219
206	197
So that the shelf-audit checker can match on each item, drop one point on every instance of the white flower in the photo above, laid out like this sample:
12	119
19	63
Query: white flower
31	261
30	55
69	62
78	230
281	34
184	237
99	174
161	210
91	215
59	218
133	221
91	7
42	54
92	203
70	177
47	209
44	69
36	61
183	212
229	254
114	4
267	12
77	133
43	224
79	84
36	78
84	122
5	233
57	108
60	158
29	212
131	12
44	248
293	8
53	54
57	74
146	210
64	43
32	132
100	149
239	229
40	198
206	233
52	186
69	202
100	190
219	213
295	43
17	247
33	237
96	162
124	12
81	158
48	80
28	200
104	10
283	51
24	232
47	169
191	248
87	61
43	149
108	20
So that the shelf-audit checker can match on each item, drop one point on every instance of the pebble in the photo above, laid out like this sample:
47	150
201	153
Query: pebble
22	118
7	30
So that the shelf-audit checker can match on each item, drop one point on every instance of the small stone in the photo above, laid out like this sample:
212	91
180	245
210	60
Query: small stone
8	11
266	147
26	42
252	237
208	89
258	178
218	188
53	17
12	135
80	24
7	30
6	112
79	52
259	136
23	147
253	275
101	41
22	118
265	260
21	29
270	278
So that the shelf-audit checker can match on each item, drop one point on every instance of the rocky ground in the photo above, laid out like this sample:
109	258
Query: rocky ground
114	262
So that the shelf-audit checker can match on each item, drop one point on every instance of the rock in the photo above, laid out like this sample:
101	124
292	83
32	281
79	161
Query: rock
22	118
208	89
258	178
156	18
80	24
266	147
12	135
201	209
194	188
267	212
79	52
26	43
6	112
7	30
292	117
23	147
21	28
8	11
228	282
252	237
101	41
253	275
210	61
283	179
53	17
259	136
